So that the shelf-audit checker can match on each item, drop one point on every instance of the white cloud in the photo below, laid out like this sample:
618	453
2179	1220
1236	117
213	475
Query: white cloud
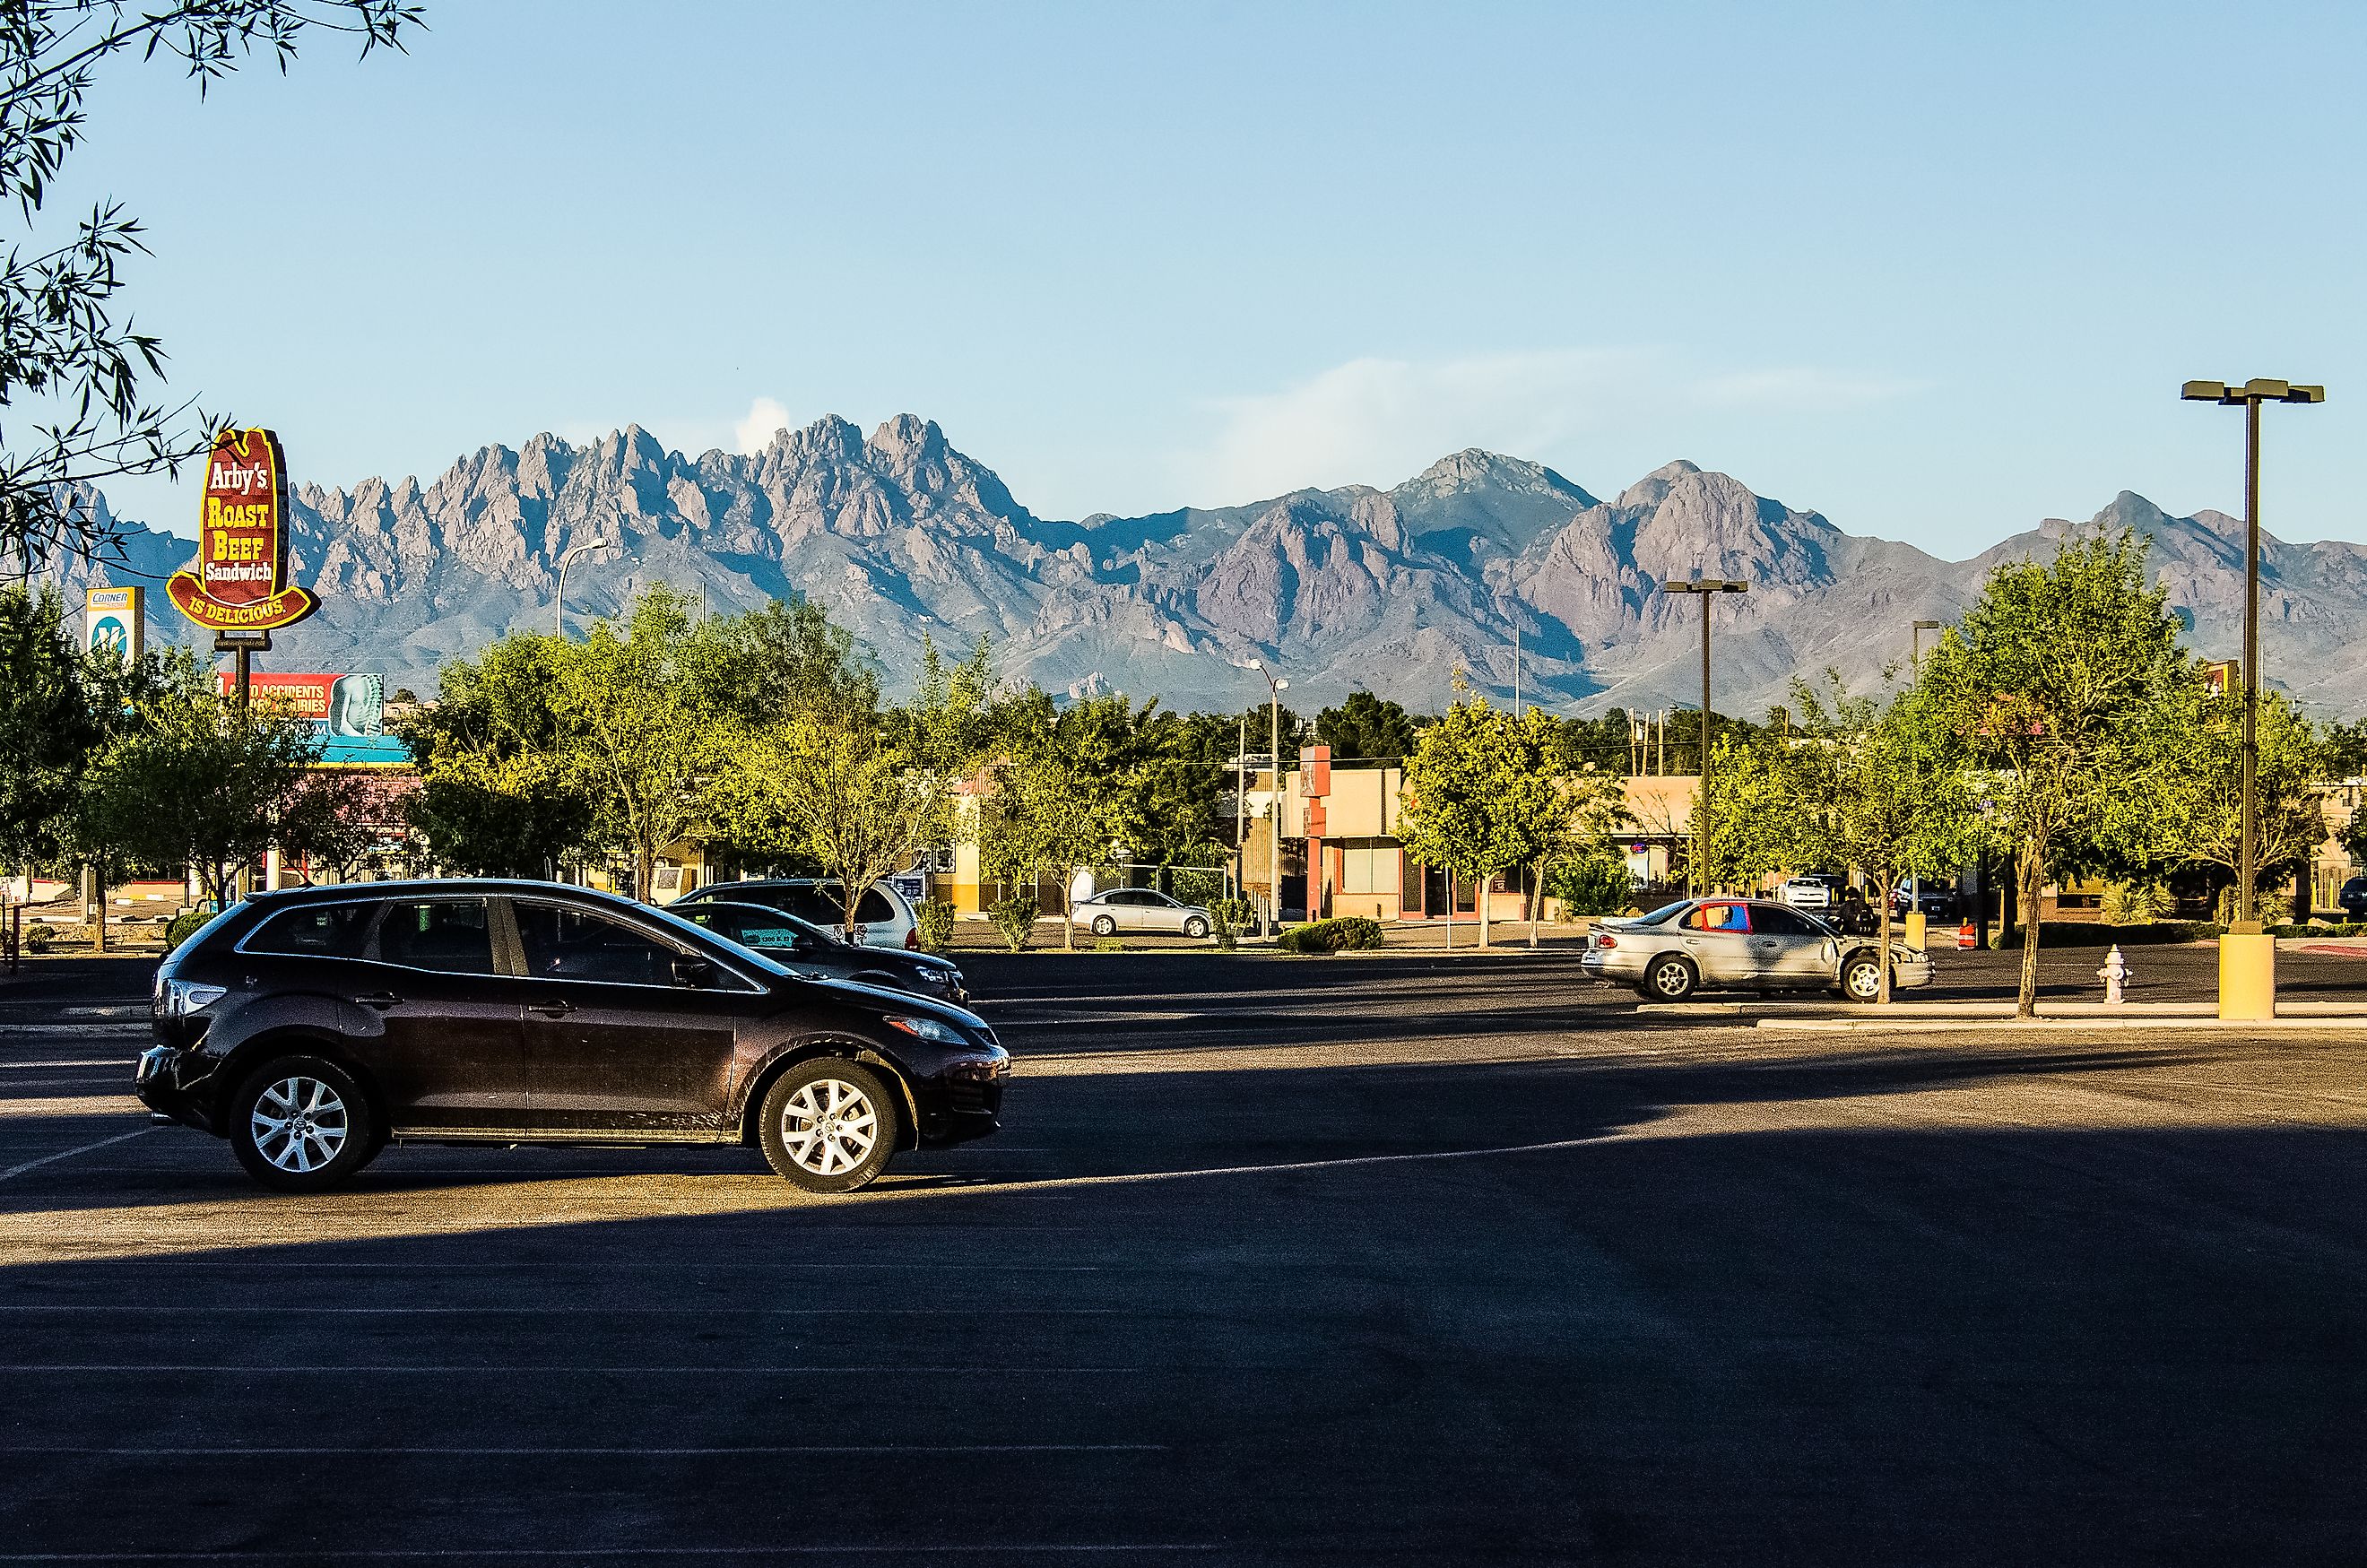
1379	420
754	433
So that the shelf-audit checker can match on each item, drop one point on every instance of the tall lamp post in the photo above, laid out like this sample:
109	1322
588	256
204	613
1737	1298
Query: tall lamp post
558	601
1274	690
2249	397
1704	586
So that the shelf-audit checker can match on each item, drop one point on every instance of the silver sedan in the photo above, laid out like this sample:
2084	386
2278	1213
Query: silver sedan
1140	909
1747	944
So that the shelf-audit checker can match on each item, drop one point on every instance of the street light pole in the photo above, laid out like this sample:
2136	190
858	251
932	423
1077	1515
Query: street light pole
1915	659
1274	690
1703	586
2251	395
558	602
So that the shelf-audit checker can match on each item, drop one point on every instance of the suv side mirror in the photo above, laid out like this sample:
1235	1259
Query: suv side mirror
693	972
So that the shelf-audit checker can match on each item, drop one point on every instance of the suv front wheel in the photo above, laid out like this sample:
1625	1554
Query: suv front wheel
302	1124
828	1126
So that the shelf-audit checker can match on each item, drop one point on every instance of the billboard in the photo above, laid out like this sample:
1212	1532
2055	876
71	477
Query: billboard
239	583
113	623
343	706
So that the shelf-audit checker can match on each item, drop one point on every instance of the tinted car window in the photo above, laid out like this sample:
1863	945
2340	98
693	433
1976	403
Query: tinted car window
563	944
330	930
1782	922
779	933
875	910
449	935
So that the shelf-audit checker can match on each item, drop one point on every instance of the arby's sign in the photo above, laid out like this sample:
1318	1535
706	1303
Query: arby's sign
239	583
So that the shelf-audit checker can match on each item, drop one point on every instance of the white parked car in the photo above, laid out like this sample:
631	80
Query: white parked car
1140	909
882	920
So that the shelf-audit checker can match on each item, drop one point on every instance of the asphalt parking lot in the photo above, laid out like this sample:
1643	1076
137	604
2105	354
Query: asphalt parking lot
1381	1260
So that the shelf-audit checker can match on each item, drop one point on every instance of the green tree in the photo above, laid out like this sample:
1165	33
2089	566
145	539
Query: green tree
501	792
1367	729
73	374
340	823
199	781
1878	787
2197	788
1045	815
1454	810
1759	821
2058	688
49	726
646	723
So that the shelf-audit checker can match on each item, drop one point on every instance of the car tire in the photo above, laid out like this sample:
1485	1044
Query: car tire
1195	928
1105	926
302	1124
1671	979
1861	978
816	1120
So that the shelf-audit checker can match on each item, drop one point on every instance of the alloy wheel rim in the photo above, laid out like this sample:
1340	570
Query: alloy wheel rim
1672	979
1864	981
299	1125
830	1127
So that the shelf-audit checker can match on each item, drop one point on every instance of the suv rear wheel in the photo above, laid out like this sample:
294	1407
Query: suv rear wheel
302	1124
828	1126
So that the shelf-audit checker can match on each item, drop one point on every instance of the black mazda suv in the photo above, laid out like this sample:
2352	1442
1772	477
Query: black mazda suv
311	1028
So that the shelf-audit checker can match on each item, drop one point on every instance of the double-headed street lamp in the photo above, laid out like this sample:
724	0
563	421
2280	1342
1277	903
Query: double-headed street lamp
559	599
1703	586
2250	396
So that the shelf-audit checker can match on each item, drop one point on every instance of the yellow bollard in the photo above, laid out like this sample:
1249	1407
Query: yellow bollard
1915	930
2247	973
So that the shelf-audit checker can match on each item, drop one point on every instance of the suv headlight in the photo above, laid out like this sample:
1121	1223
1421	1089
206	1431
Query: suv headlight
182	999
928	1029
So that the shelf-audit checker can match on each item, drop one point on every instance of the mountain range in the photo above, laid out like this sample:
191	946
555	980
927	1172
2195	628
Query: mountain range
900	534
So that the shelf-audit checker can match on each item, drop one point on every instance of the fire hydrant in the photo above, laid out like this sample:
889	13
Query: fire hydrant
2115	973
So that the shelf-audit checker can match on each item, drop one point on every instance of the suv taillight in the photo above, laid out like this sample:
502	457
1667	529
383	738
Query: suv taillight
913	940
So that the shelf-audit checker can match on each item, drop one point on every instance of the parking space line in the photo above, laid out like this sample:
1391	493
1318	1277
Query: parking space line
418	1554
482	1369
226	1451
69	1154
280	1309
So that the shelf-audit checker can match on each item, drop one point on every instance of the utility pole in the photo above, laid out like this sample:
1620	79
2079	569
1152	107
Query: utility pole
1704	587
1241	804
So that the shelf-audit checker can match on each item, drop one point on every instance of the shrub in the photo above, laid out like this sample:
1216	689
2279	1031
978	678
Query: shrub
1195	885
2136	904
38	937
1590	885
1108	944
1343	934
935	921
185	926
1015	919
1229	918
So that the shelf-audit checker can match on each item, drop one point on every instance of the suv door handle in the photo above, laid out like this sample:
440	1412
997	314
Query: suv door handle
559	1009
380	1000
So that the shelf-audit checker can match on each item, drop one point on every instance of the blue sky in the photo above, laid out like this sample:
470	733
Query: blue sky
1936	272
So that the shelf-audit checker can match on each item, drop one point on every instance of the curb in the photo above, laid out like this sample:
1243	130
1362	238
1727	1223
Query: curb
2355	1023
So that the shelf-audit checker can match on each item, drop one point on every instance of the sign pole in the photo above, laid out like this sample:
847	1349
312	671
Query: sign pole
245	675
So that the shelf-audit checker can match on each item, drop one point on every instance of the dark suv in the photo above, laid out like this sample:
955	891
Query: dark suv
310	1028
807	948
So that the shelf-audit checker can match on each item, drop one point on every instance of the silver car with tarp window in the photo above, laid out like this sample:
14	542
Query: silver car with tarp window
1751	944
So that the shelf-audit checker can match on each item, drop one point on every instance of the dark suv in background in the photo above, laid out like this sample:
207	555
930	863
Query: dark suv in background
821	954
311	1027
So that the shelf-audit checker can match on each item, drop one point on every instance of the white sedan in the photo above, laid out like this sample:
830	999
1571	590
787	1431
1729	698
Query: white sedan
1140	909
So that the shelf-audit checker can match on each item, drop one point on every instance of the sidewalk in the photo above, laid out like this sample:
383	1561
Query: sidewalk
1942	1018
